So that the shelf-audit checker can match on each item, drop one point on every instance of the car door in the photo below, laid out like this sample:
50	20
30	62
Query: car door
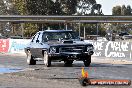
36	46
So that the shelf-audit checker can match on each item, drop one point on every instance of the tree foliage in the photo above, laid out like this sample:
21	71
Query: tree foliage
88	7
50	7
53	7
84	7
3	8
38	7
58	7
68	6
116	10
129	10
6	8
122	10
20	6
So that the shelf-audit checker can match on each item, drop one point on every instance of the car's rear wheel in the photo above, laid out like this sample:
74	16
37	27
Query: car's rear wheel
87	61
47	60
30	60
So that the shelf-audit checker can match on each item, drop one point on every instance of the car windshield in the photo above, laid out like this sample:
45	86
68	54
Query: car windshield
48	36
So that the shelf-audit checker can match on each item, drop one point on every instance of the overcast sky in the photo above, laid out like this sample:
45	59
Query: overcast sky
108	4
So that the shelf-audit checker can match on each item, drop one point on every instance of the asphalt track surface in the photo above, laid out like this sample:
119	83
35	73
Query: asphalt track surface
58	75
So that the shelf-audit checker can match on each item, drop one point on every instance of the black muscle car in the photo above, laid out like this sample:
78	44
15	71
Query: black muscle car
58	45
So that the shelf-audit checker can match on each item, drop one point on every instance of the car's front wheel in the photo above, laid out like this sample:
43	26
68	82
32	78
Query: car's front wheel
47	60
87	61
30	60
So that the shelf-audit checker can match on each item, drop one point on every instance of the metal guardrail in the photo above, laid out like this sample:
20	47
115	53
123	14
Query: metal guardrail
65	19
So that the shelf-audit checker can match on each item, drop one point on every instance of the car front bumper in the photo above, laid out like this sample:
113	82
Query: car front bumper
70	55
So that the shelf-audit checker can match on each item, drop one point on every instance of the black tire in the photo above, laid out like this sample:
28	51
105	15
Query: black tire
68	62
87	61
30	60
47	60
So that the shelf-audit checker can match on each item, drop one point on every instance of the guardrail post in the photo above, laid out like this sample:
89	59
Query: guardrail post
97	27
66	26
84	32
79	28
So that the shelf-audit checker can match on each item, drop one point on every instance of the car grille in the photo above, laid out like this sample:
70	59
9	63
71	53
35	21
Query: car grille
78	49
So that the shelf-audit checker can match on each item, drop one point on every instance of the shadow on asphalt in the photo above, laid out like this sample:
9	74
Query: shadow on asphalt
76	64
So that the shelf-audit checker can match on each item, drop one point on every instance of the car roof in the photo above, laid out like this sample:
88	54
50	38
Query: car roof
55	31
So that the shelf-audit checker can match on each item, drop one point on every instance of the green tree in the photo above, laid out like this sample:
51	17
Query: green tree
129	10
55	9
3	11
6	8
20	7
68	6
84	6
97	8
43	7
116	10
123	10
50	7
3	8
37	7
113	11
30	29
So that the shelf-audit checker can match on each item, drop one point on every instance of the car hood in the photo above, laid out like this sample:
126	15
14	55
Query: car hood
67	42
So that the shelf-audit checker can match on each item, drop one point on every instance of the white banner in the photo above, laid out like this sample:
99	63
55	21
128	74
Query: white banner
112	49
18	45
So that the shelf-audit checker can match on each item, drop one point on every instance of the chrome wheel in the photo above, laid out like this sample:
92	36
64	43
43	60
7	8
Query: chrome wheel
47	60
30	60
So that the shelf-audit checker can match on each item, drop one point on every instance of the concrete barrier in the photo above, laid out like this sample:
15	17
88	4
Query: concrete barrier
18	45
13	45
109	49
4	45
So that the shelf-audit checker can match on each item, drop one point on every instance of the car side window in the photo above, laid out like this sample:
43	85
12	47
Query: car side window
44	37
40	38
35	38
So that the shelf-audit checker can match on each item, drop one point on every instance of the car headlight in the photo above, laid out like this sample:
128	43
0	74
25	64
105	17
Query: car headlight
53	50
90	48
